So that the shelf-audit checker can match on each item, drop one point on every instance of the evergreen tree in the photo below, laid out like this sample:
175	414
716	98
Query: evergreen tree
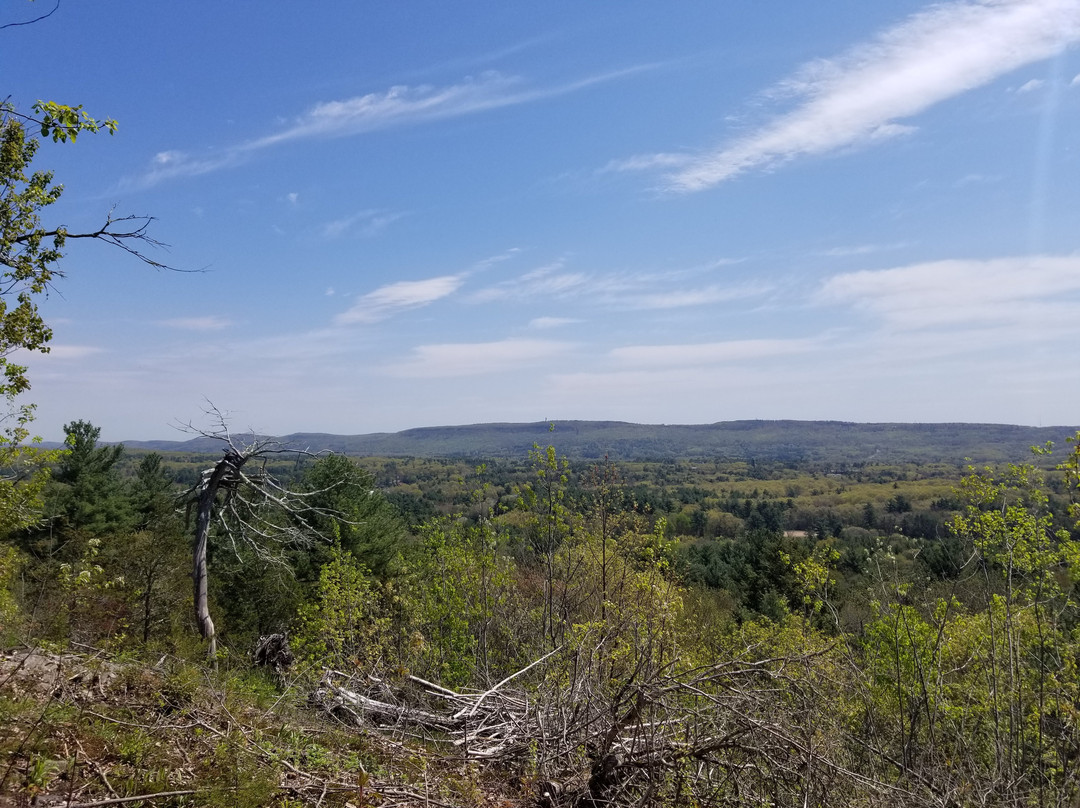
87	494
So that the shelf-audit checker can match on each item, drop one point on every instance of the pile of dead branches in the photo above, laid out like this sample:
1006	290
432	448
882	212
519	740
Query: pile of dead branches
494	724
742	730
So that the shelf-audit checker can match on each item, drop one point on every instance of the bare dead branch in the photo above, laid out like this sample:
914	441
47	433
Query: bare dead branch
160	795
118	231
31	22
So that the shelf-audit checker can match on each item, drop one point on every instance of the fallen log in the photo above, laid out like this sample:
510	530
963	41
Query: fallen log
388	713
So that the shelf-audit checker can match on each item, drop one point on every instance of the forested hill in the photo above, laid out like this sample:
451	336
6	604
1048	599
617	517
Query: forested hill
794	441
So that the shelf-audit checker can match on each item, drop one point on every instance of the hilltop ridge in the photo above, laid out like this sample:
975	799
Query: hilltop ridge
785	440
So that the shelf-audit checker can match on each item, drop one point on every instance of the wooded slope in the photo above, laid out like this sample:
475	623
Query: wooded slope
794	441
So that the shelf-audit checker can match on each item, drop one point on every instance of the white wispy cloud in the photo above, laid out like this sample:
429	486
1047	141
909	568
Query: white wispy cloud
1029	86
1030	292
169	165
975	179
551	280
543	323
59	351
477	358
710	353
647	162
164	158
366	223
548	280
700	296
493	260
400	105
403	104
628	290
860	97
387	300
861	249
205	323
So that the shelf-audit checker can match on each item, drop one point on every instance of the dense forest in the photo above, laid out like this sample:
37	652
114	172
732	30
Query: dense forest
539	631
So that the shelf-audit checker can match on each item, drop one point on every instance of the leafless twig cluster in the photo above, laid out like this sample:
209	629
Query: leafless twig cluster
250	507
742	731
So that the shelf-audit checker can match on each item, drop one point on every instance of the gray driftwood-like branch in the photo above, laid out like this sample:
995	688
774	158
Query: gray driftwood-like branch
735	727
246	507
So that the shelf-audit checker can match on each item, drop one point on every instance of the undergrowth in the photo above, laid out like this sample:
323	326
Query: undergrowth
81	729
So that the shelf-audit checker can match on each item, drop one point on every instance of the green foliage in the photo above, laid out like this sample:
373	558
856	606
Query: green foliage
979	693
39	772
62	122
87	494
815	575
154	557
10	561
1070	467
760	571
29	257
622	608
24	475
1008	522
347	624
152	493
343	506
545	499
154	566
90	595
736	655
463	608
112	556
550	522
898	504
984	696
28	252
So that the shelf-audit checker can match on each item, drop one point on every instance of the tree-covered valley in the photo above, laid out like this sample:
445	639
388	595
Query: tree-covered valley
541	630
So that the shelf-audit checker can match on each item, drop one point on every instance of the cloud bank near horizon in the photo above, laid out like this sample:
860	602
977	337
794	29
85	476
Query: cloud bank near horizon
1008	295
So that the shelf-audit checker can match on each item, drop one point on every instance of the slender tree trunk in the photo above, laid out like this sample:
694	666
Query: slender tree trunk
147	603
227	468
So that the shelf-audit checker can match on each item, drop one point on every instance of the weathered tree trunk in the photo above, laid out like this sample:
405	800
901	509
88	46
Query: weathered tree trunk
226	470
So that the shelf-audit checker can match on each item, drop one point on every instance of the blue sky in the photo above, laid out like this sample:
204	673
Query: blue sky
427	213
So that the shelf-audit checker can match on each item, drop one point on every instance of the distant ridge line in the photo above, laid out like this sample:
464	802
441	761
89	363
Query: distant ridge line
782	440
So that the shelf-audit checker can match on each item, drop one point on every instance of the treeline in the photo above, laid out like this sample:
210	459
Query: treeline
801	442
109	556
727	662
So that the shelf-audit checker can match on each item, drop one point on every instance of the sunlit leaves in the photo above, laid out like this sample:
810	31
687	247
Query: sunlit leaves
63	123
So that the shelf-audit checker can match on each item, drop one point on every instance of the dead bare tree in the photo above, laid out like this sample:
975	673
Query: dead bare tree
250	507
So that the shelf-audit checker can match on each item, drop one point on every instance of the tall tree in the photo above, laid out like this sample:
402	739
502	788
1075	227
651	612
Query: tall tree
347	509
30	252
151	559
551	522
87	493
